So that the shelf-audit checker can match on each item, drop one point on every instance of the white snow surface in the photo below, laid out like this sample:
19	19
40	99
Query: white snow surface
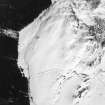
63	62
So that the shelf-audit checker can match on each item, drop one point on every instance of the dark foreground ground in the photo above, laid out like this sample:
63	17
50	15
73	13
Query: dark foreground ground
13	86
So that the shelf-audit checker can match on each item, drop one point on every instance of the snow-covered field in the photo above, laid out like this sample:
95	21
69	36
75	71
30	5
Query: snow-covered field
62	54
